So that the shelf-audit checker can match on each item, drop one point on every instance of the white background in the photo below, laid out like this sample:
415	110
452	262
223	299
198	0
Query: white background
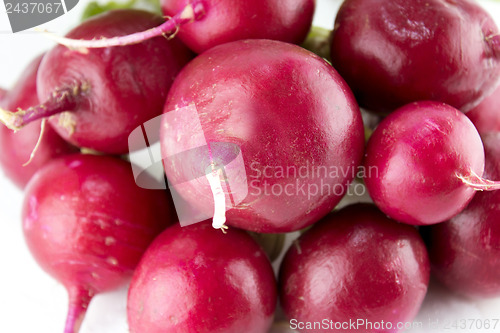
31	301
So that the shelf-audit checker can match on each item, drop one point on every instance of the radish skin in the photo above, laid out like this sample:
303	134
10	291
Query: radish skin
355	263
464	251
283	108
486	116
96	99
87	224
195	279
394	52
28	145
430	162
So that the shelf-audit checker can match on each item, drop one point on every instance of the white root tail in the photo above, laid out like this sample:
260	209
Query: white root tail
219	218
478	183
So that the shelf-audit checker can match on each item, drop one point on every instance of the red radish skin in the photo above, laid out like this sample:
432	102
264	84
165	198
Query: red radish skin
355	264
465	251
429	160
203	24
195	279
486	116
229	20
286	109
87	224
393	52
3	92
17	147
98	97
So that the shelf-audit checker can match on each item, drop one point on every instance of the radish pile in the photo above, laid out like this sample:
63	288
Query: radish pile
259	137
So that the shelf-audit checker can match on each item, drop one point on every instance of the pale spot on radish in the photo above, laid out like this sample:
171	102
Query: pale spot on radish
112	261
109	241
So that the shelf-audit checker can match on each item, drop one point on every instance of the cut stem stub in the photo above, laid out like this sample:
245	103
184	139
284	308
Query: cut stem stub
61	100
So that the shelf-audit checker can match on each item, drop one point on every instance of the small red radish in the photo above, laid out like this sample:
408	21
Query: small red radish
465	251
17	147
286	112
427	160
196	279
96	98
393	52
486	116
87	224
203	24
356	264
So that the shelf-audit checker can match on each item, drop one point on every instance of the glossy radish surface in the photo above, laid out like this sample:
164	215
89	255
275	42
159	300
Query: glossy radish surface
17	147
486	116
355	264
229	20
393	52
427	160
87	224
196	279
465	251
284	111
203	24
99	96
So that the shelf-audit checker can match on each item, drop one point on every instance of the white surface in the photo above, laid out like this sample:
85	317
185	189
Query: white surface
31	301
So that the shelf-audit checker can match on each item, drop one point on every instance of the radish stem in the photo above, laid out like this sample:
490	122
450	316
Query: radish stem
190	13
79	299
40	137
61	100
478	183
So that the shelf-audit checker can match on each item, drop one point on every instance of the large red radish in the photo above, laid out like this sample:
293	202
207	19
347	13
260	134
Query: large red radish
17	147
203	24
289	116
96	98
393	52
427	160
87	224
196	279
465	251
355	266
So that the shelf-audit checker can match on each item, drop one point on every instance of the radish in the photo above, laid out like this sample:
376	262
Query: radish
429	160
465	251
393	52
96	98
203	24
87	224
486	116
3	92
284	113
17	147
196	279
356	265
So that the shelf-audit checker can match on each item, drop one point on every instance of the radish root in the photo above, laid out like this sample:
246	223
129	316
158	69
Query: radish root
61	100
79	299
192	12
219	218
478	183
33	152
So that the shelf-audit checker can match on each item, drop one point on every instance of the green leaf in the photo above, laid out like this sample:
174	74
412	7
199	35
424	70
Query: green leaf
317	41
